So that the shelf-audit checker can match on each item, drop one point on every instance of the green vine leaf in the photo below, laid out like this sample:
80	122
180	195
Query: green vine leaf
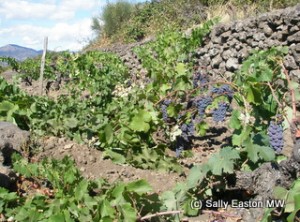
202	128
114	156
140	122
81	190
235	121
108	130
239	137
266	153
291	217
128	212
256	152
180	69
223	162
188	210
253	95
7	106
280	193
106	210
139	186
71	122
117	194
169	200
196	175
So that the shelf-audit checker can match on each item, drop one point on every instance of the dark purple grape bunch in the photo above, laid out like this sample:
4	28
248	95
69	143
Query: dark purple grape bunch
219	113
184	140
275	133
188	130
199	79
223	90
179	146
202	103
164	107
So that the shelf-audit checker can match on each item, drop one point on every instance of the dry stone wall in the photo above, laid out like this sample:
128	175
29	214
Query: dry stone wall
229	44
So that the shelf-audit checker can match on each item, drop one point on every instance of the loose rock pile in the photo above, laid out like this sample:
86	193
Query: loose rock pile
129	58
12	139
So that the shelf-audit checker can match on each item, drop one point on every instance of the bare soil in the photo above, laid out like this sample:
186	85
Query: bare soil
92	165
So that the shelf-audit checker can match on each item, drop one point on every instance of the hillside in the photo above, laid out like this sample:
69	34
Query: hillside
127	22
18	52
187	127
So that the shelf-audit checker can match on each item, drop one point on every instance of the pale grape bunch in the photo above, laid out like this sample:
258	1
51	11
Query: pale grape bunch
275	132
201	104
164	108
219	114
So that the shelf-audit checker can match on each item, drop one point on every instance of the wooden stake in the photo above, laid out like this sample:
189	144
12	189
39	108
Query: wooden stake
43	65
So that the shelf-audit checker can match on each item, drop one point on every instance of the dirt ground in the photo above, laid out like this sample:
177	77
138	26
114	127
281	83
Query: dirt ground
92	165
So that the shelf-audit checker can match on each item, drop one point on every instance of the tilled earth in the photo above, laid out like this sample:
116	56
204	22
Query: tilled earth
93	166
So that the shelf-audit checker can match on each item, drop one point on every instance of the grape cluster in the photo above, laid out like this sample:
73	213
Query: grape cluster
201	104
275	132
223	90
188	130
199	78
164	107
219	114
184	140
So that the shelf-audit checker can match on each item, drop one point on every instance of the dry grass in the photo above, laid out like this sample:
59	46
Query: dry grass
100	42
228	12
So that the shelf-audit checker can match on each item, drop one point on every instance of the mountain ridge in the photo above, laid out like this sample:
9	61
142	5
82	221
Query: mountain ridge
19	52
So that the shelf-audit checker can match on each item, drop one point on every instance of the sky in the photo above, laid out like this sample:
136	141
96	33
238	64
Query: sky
66	23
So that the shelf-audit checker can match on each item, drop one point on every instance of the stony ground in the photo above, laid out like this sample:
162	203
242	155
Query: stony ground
92	165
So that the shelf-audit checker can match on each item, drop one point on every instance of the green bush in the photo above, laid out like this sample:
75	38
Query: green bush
153	17
96	25
115	15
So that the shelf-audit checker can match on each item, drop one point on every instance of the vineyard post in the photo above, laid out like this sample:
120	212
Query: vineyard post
43	65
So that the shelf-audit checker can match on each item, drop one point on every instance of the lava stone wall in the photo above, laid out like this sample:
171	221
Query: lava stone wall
229	44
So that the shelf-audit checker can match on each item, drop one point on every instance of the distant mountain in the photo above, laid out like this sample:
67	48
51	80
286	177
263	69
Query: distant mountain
18	52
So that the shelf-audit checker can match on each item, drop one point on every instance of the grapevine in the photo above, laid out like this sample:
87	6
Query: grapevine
219	114
179	102
164	107
199	79
275	132
202	104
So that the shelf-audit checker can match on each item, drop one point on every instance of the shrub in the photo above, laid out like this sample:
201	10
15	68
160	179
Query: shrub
115	15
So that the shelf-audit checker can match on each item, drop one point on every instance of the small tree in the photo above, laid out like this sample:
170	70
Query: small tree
115	15
96	25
